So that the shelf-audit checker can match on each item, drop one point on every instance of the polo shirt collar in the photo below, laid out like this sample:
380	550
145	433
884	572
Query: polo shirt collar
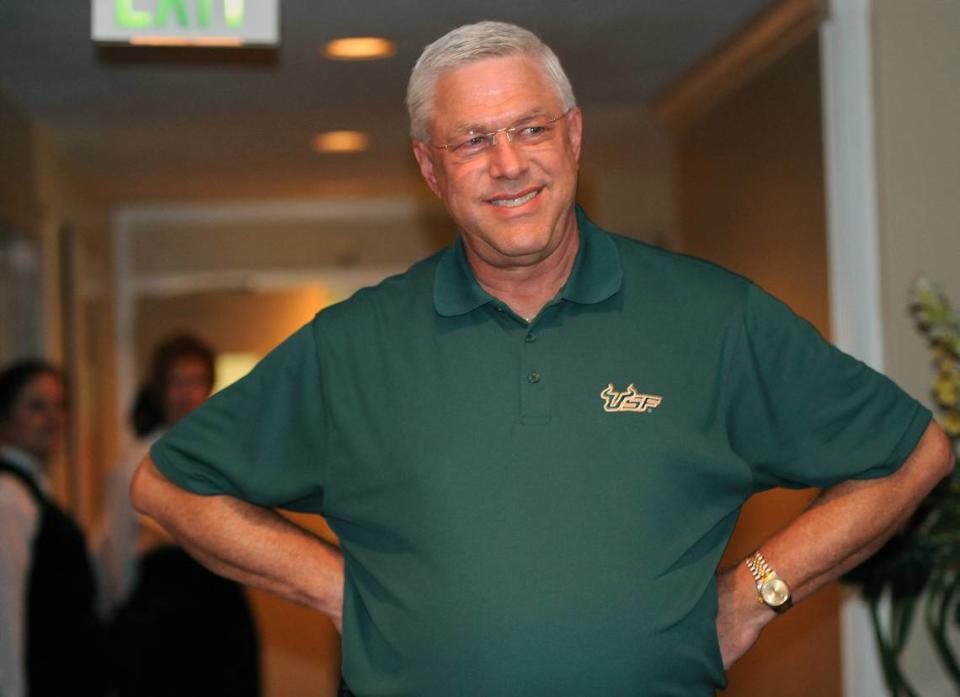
596	274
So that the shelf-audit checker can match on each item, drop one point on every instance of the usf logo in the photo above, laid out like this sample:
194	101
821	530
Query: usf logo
628	400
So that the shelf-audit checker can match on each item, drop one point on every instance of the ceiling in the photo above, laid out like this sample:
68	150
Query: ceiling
144	124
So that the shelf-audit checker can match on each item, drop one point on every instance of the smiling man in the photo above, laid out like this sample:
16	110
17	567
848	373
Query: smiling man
534	445
513	203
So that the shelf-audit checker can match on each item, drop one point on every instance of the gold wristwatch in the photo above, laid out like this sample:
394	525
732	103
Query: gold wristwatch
772	590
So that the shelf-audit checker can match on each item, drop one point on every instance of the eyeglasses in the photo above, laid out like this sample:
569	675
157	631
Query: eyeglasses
527	133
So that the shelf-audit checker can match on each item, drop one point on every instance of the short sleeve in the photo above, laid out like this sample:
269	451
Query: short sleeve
802	413
260	439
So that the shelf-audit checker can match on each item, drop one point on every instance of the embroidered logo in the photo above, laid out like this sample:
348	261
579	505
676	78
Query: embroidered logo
628	400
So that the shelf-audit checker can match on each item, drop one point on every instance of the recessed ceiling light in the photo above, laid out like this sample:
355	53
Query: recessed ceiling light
341	141
359	48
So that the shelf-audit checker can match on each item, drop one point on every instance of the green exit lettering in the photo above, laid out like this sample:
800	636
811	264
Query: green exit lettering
131	18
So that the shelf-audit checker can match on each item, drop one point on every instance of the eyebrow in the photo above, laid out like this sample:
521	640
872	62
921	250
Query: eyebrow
483	128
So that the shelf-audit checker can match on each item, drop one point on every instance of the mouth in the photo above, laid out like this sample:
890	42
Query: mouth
509	201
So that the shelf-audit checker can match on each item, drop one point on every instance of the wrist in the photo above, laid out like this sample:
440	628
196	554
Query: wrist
772	590
740	618
749	611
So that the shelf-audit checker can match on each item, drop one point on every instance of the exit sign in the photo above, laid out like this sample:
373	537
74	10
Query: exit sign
187	22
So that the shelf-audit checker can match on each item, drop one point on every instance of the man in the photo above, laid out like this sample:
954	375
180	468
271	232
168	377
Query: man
534	445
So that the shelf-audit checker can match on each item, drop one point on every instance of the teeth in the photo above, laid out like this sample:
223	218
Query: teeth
511	202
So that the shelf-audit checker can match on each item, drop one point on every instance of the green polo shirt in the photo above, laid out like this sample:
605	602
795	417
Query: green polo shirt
538	510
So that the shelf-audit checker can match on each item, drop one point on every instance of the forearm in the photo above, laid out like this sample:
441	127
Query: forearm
839	531
253	545
847	523
842	526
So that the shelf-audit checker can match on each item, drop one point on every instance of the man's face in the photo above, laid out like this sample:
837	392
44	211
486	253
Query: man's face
513	203
37	420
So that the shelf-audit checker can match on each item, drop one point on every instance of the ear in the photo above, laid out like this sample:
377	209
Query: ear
428	167
575	130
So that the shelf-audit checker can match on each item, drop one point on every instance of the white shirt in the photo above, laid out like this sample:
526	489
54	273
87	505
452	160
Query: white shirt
19	525
122	535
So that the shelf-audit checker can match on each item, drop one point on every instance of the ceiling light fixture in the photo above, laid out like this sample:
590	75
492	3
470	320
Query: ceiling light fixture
341	141
359	48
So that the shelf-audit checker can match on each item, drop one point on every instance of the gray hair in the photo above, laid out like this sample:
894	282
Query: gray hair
469	44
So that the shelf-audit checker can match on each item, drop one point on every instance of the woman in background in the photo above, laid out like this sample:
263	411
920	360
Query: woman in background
51	640
176	628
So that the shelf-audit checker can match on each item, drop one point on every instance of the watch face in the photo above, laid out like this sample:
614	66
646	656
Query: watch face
775	592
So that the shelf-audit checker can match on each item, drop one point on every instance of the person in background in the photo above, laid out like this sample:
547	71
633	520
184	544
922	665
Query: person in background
180	380
51	640
175	628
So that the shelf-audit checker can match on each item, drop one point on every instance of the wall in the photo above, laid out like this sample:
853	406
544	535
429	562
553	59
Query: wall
20	253
749	182
626	181
78	326
19	207
917	100
41	198
916	66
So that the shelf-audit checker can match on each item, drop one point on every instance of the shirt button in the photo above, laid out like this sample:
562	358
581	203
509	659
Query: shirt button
530	338
533	377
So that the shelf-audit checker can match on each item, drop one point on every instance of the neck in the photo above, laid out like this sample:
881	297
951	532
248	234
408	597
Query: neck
527	288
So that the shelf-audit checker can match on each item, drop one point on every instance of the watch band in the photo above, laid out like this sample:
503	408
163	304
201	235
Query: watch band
772	590
758	566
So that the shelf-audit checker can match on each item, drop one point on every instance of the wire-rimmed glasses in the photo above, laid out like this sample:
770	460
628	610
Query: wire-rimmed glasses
528	132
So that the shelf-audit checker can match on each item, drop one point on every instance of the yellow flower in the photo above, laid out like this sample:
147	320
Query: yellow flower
946	363
946	390
951	423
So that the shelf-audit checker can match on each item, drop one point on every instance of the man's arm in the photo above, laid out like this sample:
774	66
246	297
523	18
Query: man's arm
844	525
250	544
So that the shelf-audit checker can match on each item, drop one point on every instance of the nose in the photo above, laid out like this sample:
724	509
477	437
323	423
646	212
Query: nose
507	159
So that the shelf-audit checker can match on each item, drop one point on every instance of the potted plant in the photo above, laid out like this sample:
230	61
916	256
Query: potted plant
918	570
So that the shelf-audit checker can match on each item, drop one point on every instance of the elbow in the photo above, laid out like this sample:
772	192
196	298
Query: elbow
945	458
142	485
951	461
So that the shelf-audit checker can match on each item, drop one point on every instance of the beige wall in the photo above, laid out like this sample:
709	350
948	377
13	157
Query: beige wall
78	310
41	197
20	304
916	54
750	185
917	99
750	197
19	207
626	173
